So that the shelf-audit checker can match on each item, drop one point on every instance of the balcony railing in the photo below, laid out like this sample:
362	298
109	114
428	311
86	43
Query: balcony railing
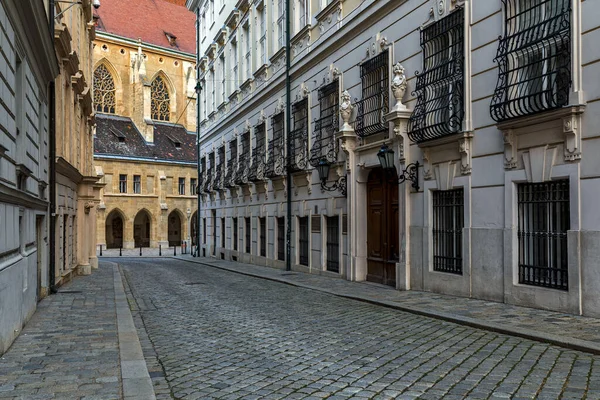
324	144
276	160
243	169
218	181
373	106
299	137
232	169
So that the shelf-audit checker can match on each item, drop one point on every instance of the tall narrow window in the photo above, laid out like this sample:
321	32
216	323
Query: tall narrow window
439	110
204	101
137	184
280	23
235	233
303	240
302	14
248	233
160	105
257	169
122	183
104	90
193	186
222	233
544	219
234	63
248	50
263	34
263	236
231	164
213	84
324	145
220	169
223	75
448	222
204	230
276	157
182	186
299	136
281	238
333	244
534	58
372	108
244	160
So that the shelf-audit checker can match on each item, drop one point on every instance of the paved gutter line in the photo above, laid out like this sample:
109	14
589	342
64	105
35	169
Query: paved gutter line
137	384
562	341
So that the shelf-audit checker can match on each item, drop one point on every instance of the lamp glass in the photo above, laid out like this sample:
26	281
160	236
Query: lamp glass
386	157
323	170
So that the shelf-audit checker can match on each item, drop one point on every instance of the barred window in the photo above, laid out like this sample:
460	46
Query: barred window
263	236
303	240
324	144
333	244
439	89
122	183
280	238
248	234
211	171
299	136
219	169
448	222
243	160
257	168
202	178
372	108
160	106
104	90
534	58
222	233
231	164
137	184
235	233
276	159
542	233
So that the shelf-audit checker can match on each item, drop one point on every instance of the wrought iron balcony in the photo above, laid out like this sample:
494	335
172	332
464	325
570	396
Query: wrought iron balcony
324	144
232	165
258	166
276	161
243	169
299	154
373	106
218	181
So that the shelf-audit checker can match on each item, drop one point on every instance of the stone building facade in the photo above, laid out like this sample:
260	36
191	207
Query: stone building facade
145	142
485	110
28	65
77	189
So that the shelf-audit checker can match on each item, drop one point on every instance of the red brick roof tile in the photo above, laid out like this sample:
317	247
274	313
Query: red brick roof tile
149	20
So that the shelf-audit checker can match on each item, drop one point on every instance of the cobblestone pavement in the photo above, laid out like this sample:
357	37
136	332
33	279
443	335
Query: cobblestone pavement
218	334
69	349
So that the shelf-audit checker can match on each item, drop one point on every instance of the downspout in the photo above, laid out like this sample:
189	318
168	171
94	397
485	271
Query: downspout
52	168
288	117
198	90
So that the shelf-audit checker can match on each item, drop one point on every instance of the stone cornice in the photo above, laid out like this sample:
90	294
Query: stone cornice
65	168
62	40
233	19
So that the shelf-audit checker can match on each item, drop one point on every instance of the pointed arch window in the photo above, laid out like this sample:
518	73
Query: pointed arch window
160	108
104	90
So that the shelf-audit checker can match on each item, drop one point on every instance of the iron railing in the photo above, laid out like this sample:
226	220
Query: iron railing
241	177
534	59
232	165
324	143
299	136
542	233
439	88
448	223
276	161
333	244
257	168
303	240
372	108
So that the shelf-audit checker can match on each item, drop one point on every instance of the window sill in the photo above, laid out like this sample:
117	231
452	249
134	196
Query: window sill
446	139
539	118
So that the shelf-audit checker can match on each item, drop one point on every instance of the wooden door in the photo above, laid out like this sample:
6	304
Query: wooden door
382	227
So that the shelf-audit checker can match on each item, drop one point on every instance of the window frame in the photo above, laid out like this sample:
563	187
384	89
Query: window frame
448	206
137	185
181	186
122	183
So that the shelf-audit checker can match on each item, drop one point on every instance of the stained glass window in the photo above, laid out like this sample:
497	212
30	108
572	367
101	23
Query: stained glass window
160	100
104	90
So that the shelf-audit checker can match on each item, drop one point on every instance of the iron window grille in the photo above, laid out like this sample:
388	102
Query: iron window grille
303	240
235	234
241	176
248	234
181	185
202	178
263	236
324	144
160	103
122	183
193	185
439	89
543	212
232	164
222	233
333	244
220	170
281	238
204	230
104	90
372	108
214	231
448	223
257	168
211	171
534	58
276	160
299	136
137	184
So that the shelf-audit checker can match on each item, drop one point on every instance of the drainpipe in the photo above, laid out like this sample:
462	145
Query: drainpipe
52	169
198	91
288	117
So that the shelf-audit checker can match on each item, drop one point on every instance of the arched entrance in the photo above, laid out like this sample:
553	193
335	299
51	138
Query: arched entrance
383	250
174	229
114	230
194	228
141	229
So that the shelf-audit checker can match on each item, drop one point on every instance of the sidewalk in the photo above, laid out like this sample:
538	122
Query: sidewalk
81	343
566	330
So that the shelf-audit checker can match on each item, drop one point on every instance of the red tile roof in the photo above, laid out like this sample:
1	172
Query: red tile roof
149	20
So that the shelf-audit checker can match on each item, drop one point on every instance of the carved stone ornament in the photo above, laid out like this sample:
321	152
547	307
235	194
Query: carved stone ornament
247	126
464	148
427	167
510	149
303	92
346	108
399	87
572	140
88	206
280	106
262	117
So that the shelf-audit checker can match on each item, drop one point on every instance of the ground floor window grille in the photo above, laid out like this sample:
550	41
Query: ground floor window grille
333	244
235	234
448	222
263	236
223	233
248	234
204	230
303	240
281	238
542	233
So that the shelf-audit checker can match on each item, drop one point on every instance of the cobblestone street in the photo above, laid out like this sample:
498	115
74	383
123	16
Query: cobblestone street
219	334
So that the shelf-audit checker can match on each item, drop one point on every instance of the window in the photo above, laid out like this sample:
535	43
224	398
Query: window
222	233
263	34
204	230
193	186
372	108
213	84
231	164
248	233
257	169
213	214
234	63
235	234
324	146
299	135
280	23
203	178
303	240
276	160
104	90
543	212
220	169
534	58
448	222
244	160
302	14
223	74
439	110
204	101
333	244
263	236
182	186
160	105
122	183
281	238
137	184
248	49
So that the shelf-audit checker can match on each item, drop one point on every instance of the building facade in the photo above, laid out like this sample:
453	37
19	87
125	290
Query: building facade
145	141
28	66
479	109
77	189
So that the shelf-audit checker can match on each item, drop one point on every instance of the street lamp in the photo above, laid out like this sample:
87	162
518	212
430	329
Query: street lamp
95	3
410	173
323	171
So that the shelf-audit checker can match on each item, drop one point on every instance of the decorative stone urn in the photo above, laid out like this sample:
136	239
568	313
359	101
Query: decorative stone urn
346	111
399	87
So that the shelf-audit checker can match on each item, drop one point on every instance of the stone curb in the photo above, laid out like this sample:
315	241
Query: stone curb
562	341
134	372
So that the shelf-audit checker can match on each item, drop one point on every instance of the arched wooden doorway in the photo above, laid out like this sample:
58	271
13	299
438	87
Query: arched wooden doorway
114	230
174	229
194	228
382	227
141	229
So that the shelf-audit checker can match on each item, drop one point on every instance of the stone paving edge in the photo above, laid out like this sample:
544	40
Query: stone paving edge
562	341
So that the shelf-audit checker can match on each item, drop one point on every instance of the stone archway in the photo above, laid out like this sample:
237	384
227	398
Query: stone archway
142	225
174	229
114	230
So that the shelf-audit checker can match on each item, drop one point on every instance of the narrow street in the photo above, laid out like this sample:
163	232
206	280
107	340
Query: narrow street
219	334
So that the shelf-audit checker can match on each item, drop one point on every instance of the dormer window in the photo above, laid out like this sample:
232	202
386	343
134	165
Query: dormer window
171	38
175	142
118	134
